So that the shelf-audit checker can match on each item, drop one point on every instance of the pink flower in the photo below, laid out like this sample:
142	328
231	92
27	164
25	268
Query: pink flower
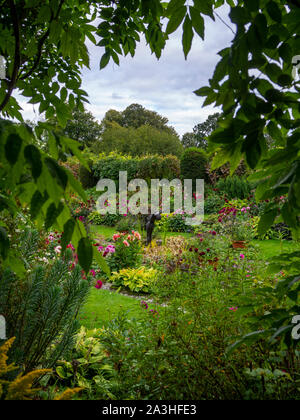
110	249
137	235
126	243
233	309
99	284
93	273
116	236
242	256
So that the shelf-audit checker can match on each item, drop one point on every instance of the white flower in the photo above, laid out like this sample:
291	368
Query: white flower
57	249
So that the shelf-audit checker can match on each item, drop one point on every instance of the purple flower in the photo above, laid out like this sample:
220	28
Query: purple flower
144	304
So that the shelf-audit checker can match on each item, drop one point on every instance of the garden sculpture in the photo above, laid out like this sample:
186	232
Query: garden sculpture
150	225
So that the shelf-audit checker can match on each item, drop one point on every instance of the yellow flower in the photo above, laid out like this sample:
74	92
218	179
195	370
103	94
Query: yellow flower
68	394
4	368
21	387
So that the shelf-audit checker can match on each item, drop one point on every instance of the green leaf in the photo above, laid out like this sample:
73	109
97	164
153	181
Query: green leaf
205	7
273	71
14	263
285	52
74	147
176	19
247	339
285	80
104	60
252	5
76	185
266	221
33	157
37	202
67	234
173	5
187	36
252	149
197	22
275	132
239	15
85	254
4	243
274	11
101	261
224	136
204	91
57	172
261	28
52	213
12	148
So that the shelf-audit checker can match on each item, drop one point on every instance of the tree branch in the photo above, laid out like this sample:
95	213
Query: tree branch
41	44
17	56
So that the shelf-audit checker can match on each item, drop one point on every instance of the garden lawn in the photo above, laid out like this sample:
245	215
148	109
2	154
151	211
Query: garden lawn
273	247
105	231
108	232
103	305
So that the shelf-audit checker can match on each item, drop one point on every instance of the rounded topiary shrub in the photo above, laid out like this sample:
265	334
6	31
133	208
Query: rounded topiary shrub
193	164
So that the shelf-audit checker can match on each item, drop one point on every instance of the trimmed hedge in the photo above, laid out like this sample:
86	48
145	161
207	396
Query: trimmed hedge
146	167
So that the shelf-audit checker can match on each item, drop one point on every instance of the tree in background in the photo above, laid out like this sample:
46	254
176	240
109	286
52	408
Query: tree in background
138	131
138	141
189	140
83	127
201	132
135	116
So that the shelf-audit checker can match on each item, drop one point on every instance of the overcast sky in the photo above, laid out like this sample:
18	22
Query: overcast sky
165	86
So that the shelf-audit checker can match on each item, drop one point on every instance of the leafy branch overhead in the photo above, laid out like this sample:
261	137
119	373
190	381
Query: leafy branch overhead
253	84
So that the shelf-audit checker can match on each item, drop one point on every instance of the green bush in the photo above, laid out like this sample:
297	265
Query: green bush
193	164
104	219
234	187
126	224
128	251
176	223
135	279
213	203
